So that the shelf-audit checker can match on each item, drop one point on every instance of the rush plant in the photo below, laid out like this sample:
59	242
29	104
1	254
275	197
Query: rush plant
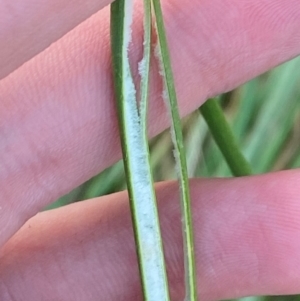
132	115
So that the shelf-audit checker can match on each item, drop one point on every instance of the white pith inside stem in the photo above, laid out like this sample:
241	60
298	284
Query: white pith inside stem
145	211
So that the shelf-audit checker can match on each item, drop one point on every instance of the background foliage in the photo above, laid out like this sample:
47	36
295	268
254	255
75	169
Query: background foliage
265	117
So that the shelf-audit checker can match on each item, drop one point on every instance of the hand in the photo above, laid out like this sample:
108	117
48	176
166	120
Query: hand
58	128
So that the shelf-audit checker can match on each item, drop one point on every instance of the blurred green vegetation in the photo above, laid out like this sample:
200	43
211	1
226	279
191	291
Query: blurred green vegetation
265	117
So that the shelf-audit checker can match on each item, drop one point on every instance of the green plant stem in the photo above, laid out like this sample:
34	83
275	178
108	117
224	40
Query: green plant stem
186	212
136	155
221	131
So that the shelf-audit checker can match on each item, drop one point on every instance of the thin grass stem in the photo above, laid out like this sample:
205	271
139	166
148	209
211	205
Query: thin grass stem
170	96
222	133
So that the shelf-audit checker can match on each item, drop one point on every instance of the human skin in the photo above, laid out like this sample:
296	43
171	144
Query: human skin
58	128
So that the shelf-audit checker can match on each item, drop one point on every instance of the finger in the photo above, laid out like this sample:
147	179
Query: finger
246	241
29	27
57	117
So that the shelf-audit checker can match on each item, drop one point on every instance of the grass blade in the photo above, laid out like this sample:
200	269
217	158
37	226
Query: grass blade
170	95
